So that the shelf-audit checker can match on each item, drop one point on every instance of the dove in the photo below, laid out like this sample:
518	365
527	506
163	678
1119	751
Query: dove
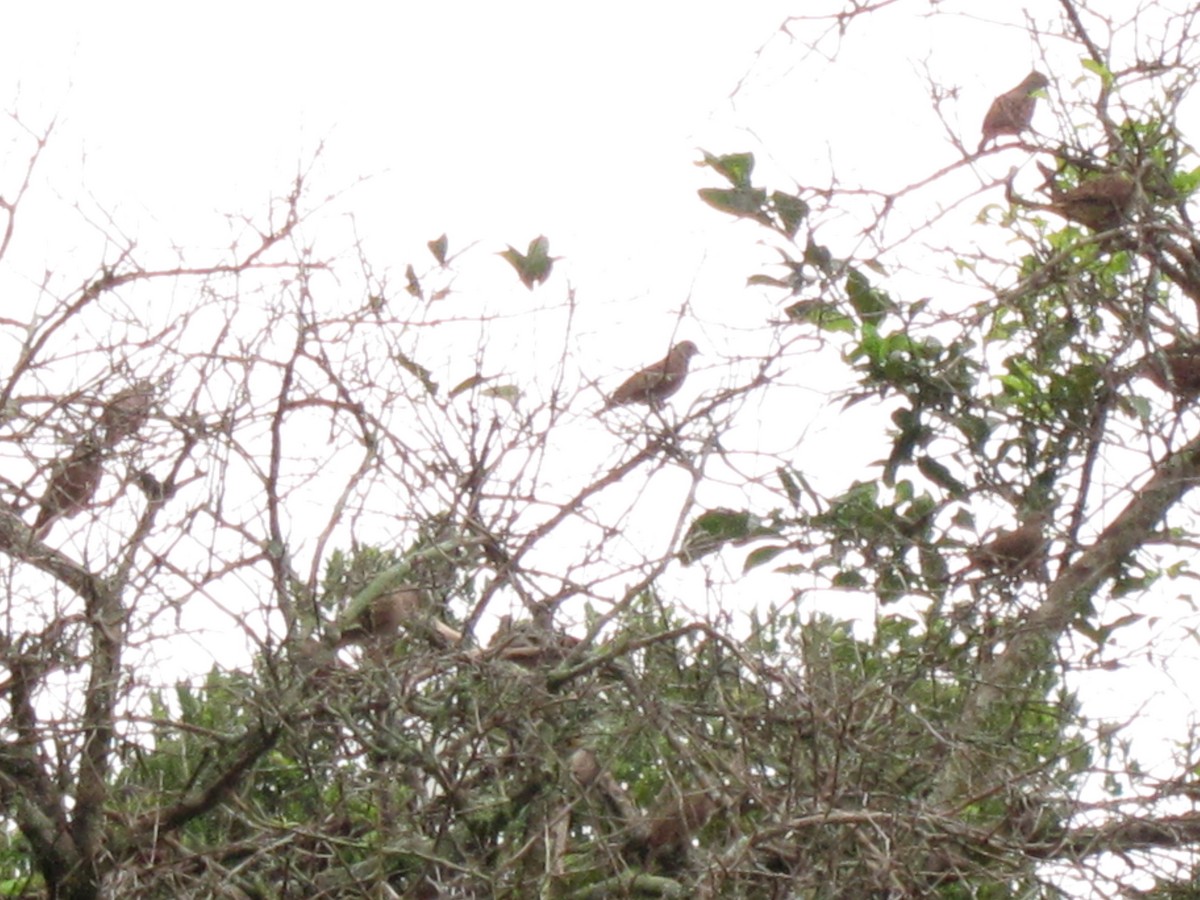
656	382
125	414
1015	551
1174	369
1099	203
72	485
400	608
1011	112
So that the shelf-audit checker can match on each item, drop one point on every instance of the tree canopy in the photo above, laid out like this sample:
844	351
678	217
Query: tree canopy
482	615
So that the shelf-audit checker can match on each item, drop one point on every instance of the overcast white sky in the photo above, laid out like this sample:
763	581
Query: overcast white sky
489	121
492	122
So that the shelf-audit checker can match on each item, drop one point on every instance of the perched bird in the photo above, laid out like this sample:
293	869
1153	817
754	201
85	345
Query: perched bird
584	765
1011	113
1174	369
1013	552
1100	203
388	613
529	644
125	414
72	484
670	827
656	382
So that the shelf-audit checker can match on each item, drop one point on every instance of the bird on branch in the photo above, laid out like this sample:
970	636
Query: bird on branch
72	485
1174	369
1100	203
655	383
383	618
127	412
1011	112
1021	550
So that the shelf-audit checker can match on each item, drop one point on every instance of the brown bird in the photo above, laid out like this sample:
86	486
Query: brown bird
1174	369
125	414
385	615
1011	113
584	765
72	485
656	382
1100	203
389	611
529	644
1013	552
670	826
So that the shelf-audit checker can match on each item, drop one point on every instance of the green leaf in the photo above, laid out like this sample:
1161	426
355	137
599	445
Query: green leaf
414	285
826	316
736	167
974	428
791	211
507	392
818	257
849	579
533	267
714	528
870	303
1098	68
468	384
768	281
761	556
964	519
1185	183
911	433
415	368
743	202
790	487
438	249
940	475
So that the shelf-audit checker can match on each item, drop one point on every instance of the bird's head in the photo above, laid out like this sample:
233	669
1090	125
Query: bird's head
686	349
1035	81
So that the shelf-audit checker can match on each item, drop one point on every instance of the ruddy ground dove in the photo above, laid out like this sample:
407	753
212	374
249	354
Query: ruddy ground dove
72	485
125	414
1100	203
1015	551
1011	112
1174	369
656	382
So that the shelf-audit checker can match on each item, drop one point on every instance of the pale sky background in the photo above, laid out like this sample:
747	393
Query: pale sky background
496	122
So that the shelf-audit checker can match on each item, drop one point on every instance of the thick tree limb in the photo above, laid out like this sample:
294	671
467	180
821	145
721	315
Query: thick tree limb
1027	649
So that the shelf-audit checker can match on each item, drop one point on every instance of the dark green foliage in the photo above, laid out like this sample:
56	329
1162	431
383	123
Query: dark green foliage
447	769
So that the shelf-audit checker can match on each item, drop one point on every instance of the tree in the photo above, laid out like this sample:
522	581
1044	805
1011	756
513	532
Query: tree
453	603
